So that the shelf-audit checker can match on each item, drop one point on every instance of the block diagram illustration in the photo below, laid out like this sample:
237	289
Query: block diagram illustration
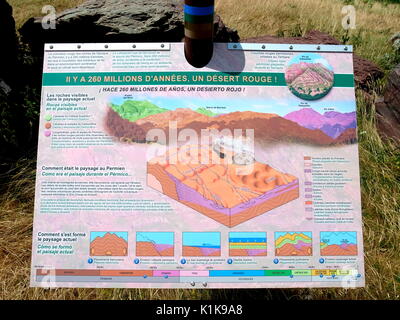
247	244
341	243
228	192
201	244
293	243
151	244
108	243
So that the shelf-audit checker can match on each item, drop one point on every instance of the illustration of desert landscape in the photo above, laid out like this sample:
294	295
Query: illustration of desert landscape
338	243
130	121
153	244
220	190
293	244
108	244
247	244
201	244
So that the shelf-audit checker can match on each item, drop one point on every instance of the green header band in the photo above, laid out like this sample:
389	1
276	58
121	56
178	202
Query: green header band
178	78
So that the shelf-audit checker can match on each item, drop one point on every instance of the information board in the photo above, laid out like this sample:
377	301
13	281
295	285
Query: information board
151	173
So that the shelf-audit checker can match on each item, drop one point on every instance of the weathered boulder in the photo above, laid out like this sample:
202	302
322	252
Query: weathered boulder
388	107
8	52
118	20
365	72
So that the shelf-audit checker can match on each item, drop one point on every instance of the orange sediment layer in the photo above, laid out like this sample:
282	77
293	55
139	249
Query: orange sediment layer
148	249
289	249
188	251
336	250
109	245
244	253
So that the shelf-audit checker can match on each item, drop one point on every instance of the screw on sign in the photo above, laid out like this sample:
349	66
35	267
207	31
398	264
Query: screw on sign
199	31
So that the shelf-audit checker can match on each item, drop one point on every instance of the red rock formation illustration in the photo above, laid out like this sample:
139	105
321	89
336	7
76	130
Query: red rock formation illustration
109	245
267	127
189	251
339	250
220	190
149	249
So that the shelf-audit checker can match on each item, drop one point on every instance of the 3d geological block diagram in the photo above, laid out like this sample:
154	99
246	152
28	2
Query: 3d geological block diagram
343	243
247	244
293	243
108	243
201	244
227	192
152	244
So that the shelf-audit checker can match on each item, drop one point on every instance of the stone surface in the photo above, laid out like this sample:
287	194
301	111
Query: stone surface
365	71
118	20
8	38
388	107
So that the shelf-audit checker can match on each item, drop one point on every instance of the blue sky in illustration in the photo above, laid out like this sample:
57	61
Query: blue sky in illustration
95	234
310	58
199	239
337	237
156	237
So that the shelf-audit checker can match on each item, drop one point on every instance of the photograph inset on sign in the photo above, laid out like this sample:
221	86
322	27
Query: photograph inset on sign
338	243
309	76
244	244
108	243
152	244
201	244
293	244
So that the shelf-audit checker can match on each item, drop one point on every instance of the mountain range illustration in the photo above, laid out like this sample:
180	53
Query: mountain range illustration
129	122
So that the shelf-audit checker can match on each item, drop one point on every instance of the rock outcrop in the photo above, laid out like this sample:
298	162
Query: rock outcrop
365	72
388	107
118	21
8	52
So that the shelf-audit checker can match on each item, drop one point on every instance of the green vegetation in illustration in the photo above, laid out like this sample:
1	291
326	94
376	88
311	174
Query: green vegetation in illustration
206	112
135	110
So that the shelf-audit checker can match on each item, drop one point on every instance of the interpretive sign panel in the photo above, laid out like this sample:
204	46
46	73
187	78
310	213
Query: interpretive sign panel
152	173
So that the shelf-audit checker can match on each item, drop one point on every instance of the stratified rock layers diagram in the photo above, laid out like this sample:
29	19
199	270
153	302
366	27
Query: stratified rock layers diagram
153	244
293	244
109	245
226	192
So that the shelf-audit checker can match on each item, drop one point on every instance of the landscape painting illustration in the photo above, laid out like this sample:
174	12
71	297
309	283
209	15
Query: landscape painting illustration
153	244
108	244
293	243
201	244
251	244
340	243
309	76
129	120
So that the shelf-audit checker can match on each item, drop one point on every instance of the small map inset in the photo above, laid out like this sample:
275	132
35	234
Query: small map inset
293	243
309	76
342	243
152	244
247	244
201	244
103	243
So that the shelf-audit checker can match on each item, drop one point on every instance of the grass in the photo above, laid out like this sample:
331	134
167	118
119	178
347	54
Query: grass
379	160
